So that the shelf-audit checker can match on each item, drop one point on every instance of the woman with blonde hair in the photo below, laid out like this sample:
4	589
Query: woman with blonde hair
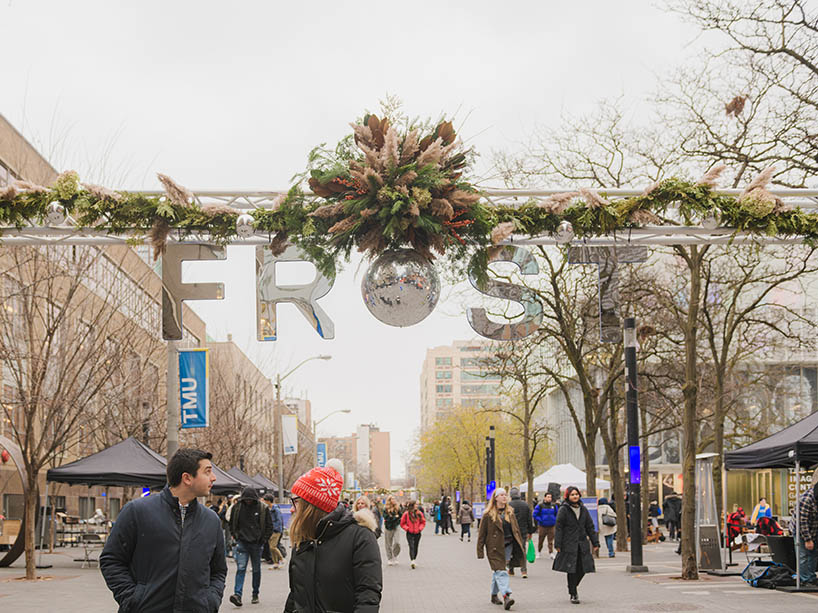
363	502
500	540
335	564
391	523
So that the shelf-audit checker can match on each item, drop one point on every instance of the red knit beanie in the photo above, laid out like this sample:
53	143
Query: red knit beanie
321	487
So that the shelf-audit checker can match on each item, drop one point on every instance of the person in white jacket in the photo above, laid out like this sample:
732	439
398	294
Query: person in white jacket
605	529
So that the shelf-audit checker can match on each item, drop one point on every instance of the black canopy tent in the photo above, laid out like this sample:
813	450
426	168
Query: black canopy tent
792	447
262	480
247	480
129	463
797	444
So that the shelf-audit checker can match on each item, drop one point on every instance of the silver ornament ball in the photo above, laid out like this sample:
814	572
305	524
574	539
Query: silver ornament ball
55	214
401	288
244	225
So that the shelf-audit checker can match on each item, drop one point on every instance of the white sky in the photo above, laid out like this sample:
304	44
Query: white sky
234	95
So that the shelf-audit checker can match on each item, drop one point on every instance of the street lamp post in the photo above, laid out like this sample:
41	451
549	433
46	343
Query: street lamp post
315	430
635	467
277	418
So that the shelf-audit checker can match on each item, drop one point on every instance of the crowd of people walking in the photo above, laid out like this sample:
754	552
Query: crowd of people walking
168	551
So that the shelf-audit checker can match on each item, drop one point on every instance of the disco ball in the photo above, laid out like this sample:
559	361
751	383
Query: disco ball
400	288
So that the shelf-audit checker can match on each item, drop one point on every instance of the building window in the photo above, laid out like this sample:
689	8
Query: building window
13	506
470	362
471	348
444	402
478	376
444	389
443	361
87	507
443	374
483	390
115	505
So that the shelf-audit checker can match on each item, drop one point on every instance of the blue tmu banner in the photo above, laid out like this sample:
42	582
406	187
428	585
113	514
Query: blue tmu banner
321	452
193	371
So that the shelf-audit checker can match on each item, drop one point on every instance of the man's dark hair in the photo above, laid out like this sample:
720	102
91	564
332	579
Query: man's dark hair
185	461
269	498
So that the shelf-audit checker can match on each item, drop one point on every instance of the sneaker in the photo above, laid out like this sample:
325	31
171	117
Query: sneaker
470	539
235	599
511	571
495	600
461	539
254	600
553	555
525	575
574	599
539	555
412	563
507	601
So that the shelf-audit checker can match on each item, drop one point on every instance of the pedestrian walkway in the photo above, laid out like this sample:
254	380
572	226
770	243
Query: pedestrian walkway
449	577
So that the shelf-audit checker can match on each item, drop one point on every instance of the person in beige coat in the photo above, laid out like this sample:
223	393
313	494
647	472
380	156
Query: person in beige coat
607	531
500	541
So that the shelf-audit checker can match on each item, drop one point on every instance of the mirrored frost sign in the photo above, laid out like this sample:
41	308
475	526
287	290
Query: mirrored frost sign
193	392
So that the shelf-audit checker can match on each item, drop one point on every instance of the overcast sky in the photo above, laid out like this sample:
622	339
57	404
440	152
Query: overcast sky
234	95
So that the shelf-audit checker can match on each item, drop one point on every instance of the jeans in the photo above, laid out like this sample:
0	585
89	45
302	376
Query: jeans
499	578
465	530
808	560
414	541
437	526
245	552
390	538
609	543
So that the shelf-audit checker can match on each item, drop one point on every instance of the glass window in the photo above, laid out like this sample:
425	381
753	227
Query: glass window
478	376
478	389
58	502
443	374
87	507
444	389
444	402
115	505
13	506
471	348
470	362
443	361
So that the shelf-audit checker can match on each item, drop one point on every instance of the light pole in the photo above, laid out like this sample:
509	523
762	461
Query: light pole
635	467
315	430
277	418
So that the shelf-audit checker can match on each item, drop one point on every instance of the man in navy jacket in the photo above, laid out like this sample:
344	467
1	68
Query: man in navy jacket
166	551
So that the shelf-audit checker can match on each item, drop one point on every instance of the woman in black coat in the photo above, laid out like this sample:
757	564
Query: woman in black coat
335	563
574	530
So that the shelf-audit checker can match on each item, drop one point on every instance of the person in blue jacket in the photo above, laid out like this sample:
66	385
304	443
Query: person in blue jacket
545	514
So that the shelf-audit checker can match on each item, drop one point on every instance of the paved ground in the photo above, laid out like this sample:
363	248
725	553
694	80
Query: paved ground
449	578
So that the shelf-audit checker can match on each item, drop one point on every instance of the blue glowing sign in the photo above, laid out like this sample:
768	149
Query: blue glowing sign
490	489
635	464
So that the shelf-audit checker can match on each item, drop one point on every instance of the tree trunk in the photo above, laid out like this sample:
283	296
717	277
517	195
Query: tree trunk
590	463
689	566
718	440
31	500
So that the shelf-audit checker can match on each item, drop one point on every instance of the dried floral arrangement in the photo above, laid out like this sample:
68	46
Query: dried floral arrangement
382	187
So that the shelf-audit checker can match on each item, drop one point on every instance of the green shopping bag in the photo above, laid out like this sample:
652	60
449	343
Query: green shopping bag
531	555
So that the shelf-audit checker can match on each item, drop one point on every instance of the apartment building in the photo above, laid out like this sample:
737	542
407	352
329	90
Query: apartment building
453	376
366	456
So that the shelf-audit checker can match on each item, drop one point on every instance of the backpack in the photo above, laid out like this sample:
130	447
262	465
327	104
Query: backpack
766	574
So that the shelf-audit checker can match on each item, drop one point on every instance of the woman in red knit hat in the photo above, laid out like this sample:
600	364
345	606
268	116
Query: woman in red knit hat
335	563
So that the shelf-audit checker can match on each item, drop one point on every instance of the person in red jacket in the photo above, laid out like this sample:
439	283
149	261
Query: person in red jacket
413	522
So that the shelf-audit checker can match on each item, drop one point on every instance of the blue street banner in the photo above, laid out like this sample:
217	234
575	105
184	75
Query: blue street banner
193	389
490	487
592	504
321	453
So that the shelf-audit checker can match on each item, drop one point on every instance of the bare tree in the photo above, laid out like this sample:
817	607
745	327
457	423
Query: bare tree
59	332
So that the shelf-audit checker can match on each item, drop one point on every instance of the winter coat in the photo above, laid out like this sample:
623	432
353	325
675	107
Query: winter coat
672	507
152	562
490	538
339	571
524	519
465	515
250	520
571	539
545	514
415	526
604	530
277	519
391	520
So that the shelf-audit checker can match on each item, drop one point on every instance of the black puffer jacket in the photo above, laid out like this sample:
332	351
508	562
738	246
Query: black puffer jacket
153	563
524	518
340	571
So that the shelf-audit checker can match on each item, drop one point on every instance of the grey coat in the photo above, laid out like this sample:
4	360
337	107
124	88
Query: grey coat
572	538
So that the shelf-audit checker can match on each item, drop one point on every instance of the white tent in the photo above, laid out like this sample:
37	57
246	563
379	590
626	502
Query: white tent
565	475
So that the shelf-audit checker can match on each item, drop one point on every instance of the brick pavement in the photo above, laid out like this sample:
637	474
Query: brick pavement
449	578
